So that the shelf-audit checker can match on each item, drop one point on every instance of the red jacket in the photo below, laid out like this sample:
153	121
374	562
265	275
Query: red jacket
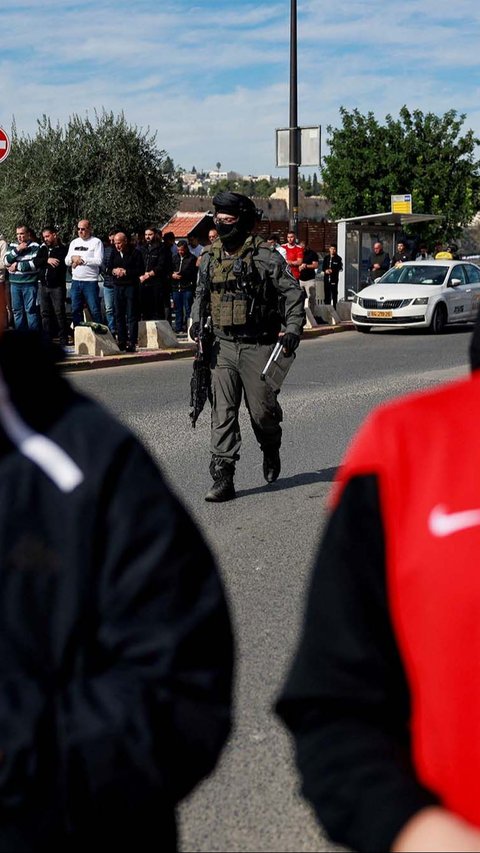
423	452
294	253
383	697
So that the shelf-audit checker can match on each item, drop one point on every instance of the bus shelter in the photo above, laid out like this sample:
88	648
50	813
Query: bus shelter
355	239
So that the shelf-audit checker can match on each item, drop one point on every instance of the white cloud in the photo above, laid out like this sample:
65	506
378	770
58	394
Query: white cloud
214	81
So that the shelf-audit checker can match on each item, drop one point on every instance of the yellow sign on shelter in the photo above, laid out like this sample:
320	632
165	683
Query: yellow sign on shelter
401	203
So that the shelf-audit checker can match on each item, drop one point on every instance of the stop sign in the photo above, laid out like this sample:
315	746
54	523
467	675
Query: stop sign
4	145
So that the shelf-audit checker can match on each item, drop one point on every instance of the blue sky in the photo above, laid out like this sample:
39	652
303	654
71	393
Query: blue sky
213	79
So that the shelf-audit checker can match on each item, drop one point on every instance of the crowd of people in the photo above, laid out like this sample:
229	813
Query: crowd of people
406	250
148	276
143	279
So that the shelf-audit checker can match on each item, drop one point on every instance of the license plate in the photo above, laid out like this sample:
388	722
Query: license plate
386	314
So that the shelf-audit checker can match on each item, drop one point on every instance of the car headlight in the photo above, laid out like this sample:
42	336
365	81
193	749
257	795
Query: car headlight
421	300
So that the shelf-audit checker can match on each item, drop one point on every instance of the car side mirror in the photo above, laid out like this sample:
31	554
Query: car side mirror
454	282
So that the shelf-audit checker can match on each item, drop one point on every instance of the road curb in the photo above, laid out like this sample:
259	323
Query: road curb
148	356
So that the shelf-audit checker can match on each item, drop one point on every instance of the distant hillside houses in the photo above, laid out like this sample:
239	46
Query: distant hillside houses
194	182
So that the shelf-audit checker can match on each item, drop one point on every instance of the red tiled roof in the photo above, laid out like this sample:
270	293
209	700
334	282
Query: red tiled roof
182	224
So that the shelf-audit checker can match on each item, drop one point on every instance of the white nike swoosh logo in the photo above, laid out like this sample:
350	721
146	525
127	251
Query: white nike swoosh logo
443	523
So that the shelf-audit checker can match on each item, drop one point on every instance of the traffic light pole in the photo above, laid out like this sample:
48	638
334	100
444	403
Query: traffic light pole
294	152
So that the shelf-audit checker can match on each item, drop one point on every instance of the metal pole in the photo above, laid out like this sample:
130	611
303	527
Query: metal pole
294	152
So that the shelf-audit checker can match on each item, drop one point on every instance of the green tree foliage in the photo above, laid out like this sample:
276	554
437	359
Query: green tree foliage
425	155
103	169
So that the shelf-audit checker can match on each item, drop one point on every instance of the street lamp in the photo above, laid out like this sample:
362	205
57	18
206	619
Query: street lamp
294	153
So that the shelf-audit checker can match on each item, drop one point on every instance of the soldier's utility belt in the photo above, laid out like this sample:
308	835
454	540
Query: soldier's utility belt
230	309
266	340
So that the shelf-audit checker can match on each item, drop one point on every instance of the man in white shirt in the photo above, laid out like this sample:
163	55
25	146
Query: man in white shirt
85	256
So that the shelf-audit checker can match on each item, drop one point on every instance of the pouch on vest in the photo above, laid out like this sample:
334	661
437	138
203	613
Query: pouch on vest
215	301
226	310
240	307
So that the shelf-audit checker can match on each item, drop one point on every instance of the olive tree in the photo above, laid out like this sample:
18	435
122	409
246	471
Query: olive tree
102	169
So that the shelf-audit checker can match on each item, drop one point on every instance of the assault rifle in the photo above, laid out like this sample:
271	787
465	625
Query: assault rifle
201	381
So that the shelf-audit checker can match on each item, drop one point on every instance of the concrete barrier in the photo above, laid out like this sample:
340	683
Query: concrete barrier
157	334
344	309
328	314
88	342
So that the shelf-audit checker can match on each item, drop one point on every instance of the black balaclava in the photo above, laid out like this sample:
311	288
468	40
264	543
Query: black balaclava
235	204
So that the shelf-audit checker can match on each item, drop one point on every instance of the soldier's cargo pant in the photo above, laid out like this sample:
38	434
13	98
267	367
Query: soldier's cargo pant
236	367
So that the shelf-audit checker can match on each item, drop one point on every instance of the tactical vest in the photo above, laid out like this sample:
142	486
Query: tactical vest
240	296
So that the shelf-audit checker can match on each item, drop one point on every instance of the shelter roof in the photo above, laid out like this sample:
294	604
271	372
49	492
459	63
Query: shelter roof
389	219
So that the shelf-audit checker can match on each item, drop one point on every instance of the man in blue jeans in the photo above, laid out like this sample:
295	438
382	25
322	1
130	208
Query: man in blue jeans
85	257
108	283
23	277
126	266
184	279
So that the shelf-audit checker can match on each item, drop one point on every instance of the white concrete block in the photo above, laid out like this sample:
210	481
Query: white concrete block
157	334
88	342
344	309
328	314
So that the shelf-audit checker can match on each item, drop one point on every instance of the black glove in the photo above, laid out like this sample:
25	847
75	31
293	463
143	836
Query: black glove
194	331
290	342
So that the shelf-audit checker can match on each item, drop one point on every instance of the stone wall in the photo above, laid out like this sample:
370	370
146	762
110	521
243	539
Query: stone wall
314	209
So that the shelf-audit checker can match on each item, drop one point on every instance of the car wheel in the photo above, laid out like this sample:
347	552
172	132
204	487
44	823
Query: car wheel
439	320
363	329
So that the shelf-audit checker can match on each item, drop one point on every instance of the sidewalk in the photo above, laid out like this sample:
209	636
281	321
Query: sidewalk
186	350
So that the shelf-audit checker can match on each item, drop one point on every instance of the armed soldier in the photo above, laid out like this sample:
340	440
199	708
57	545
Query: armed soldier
248	292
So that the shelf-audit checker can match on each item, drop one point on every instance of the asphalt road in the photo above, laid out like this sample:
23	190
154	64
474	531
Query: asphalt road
265	542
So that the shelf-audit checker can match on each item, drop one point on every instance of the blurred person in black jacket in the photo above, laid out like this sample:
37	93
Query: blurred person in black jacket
116	664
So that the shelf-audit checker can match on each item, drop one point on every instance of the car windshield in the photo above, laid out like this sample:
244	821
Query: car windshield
414	274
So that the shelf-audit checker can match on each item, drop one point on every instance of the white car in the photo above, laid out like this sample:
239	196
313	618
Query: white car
419	294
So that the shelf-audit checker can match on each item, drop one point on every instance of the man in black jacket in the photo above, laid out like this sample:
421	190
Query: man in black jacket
332	266
108	283
50	262
155	281
126	266
116	663
184	279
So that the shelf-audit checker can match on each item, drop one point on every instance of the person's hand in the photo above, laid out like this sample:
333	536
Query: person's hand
194	331
176	275
54	262
12	267
290	342
435	829
22	246
119	272
77	261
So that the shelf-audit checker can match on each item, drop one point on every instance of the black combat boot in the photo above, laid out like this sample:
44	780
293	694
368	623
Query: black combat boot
222	471
271	464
